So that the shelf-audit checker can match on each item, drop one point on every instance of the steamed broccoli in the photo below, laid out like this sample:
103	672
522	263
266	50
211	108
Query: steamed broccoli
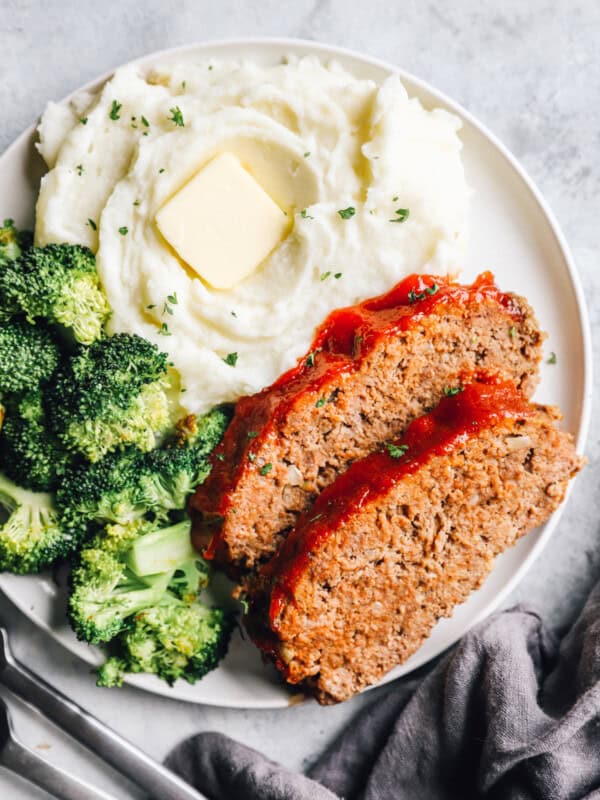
105	591
171	640
12	242
111	394
29	452
129	485
28	355
31	537
58	283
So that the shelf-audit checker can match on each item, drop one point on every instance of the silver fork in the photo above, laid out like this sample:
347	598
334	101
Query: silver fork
103	741
24	762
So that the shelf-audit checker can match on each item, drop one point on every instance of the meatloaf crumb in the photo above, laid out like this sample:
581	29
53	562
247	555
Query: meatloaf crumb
372	369
405	535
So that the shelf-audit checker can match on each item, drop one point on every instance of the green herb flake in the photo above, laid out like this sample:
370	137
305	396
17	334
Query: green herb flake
220	456
92	224
151	306
164	330
552	358
137	202
177	116
402	214
512	331
231	359
233	314
124	230
347	213
251	457
396	451
320	402
310	359
305	215
306	155
83	120
114	110
431	290
450	391
172	298
356	344
252	434
210	66
161	170
337	276
167	309
79	169
266	469
324	276
395	199
244	604
145	122
183	85
316	517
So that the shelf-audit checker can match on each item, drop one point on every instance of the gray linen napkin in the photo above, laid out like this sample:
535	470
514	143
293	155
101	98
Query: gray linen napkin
507	715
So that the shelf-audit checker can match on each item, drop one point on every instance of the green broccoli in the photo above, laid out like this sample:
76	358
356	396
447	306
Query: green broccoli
111	394
31	537
171	640
58	283
28	355
29	452
105	591
130	485
12	242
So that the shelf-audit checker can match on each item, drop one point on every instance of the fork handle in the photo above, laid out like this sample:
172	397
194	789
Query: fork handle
103	741
58	783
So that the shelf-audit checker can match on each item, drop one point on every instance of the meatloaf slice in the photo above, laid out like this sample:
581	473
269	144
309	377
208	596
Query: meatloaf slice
405	535
372	369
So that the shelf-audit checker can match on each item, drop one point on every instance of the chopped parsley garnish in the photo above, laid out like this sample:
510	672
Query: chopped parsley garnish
414	297
324	276
320	402
337	276
137	202
356	344
310	358
161	170
305	215
231	359
402	214
233	314
395	199
124	230
266	469
114	111
346	213
145	122
151	306
244	604
252	434
552	358
220	456
251	457
512	331
306	155
164	330
172	298
177	116
210	66
183	85
450	391
316	517
167	309
79	169
92	225
396	451
83	120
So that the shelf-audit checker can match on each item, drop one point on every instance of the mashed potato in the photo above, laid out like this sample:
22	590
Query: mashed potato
317	139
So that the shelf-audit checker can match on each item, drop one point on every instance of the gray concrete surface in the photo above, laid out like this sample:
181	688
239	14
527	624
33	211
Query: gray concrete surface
528	70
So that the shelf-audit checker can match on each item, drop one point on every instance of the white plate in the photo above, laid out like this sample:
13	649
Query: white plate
513	233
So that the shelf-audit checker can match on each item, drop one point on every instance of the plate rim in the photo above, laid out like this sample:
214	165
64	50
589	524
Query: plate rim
322	49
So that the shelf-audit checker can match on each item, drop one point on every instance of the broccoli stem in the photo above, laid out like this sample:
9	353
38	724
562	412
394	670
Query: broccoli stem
161	551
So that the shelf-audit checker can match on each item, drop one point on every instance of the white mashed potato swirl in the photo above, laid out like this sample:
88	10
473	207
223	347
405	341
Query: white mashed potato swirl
317	139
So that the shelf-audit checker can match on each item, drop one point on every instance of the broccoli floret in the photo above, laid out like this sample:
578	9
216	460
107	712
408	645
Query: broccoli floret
28	355
31	537
105	591
171	640
29	452
58	283
12	242
129	485
111	394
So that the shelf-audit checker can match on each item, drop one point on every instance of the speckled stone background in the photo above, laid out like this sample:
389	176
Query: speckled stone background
530	71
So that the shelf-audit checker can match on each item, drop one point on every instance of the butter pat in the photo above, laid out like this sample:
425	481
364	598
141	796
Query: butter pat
222	223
